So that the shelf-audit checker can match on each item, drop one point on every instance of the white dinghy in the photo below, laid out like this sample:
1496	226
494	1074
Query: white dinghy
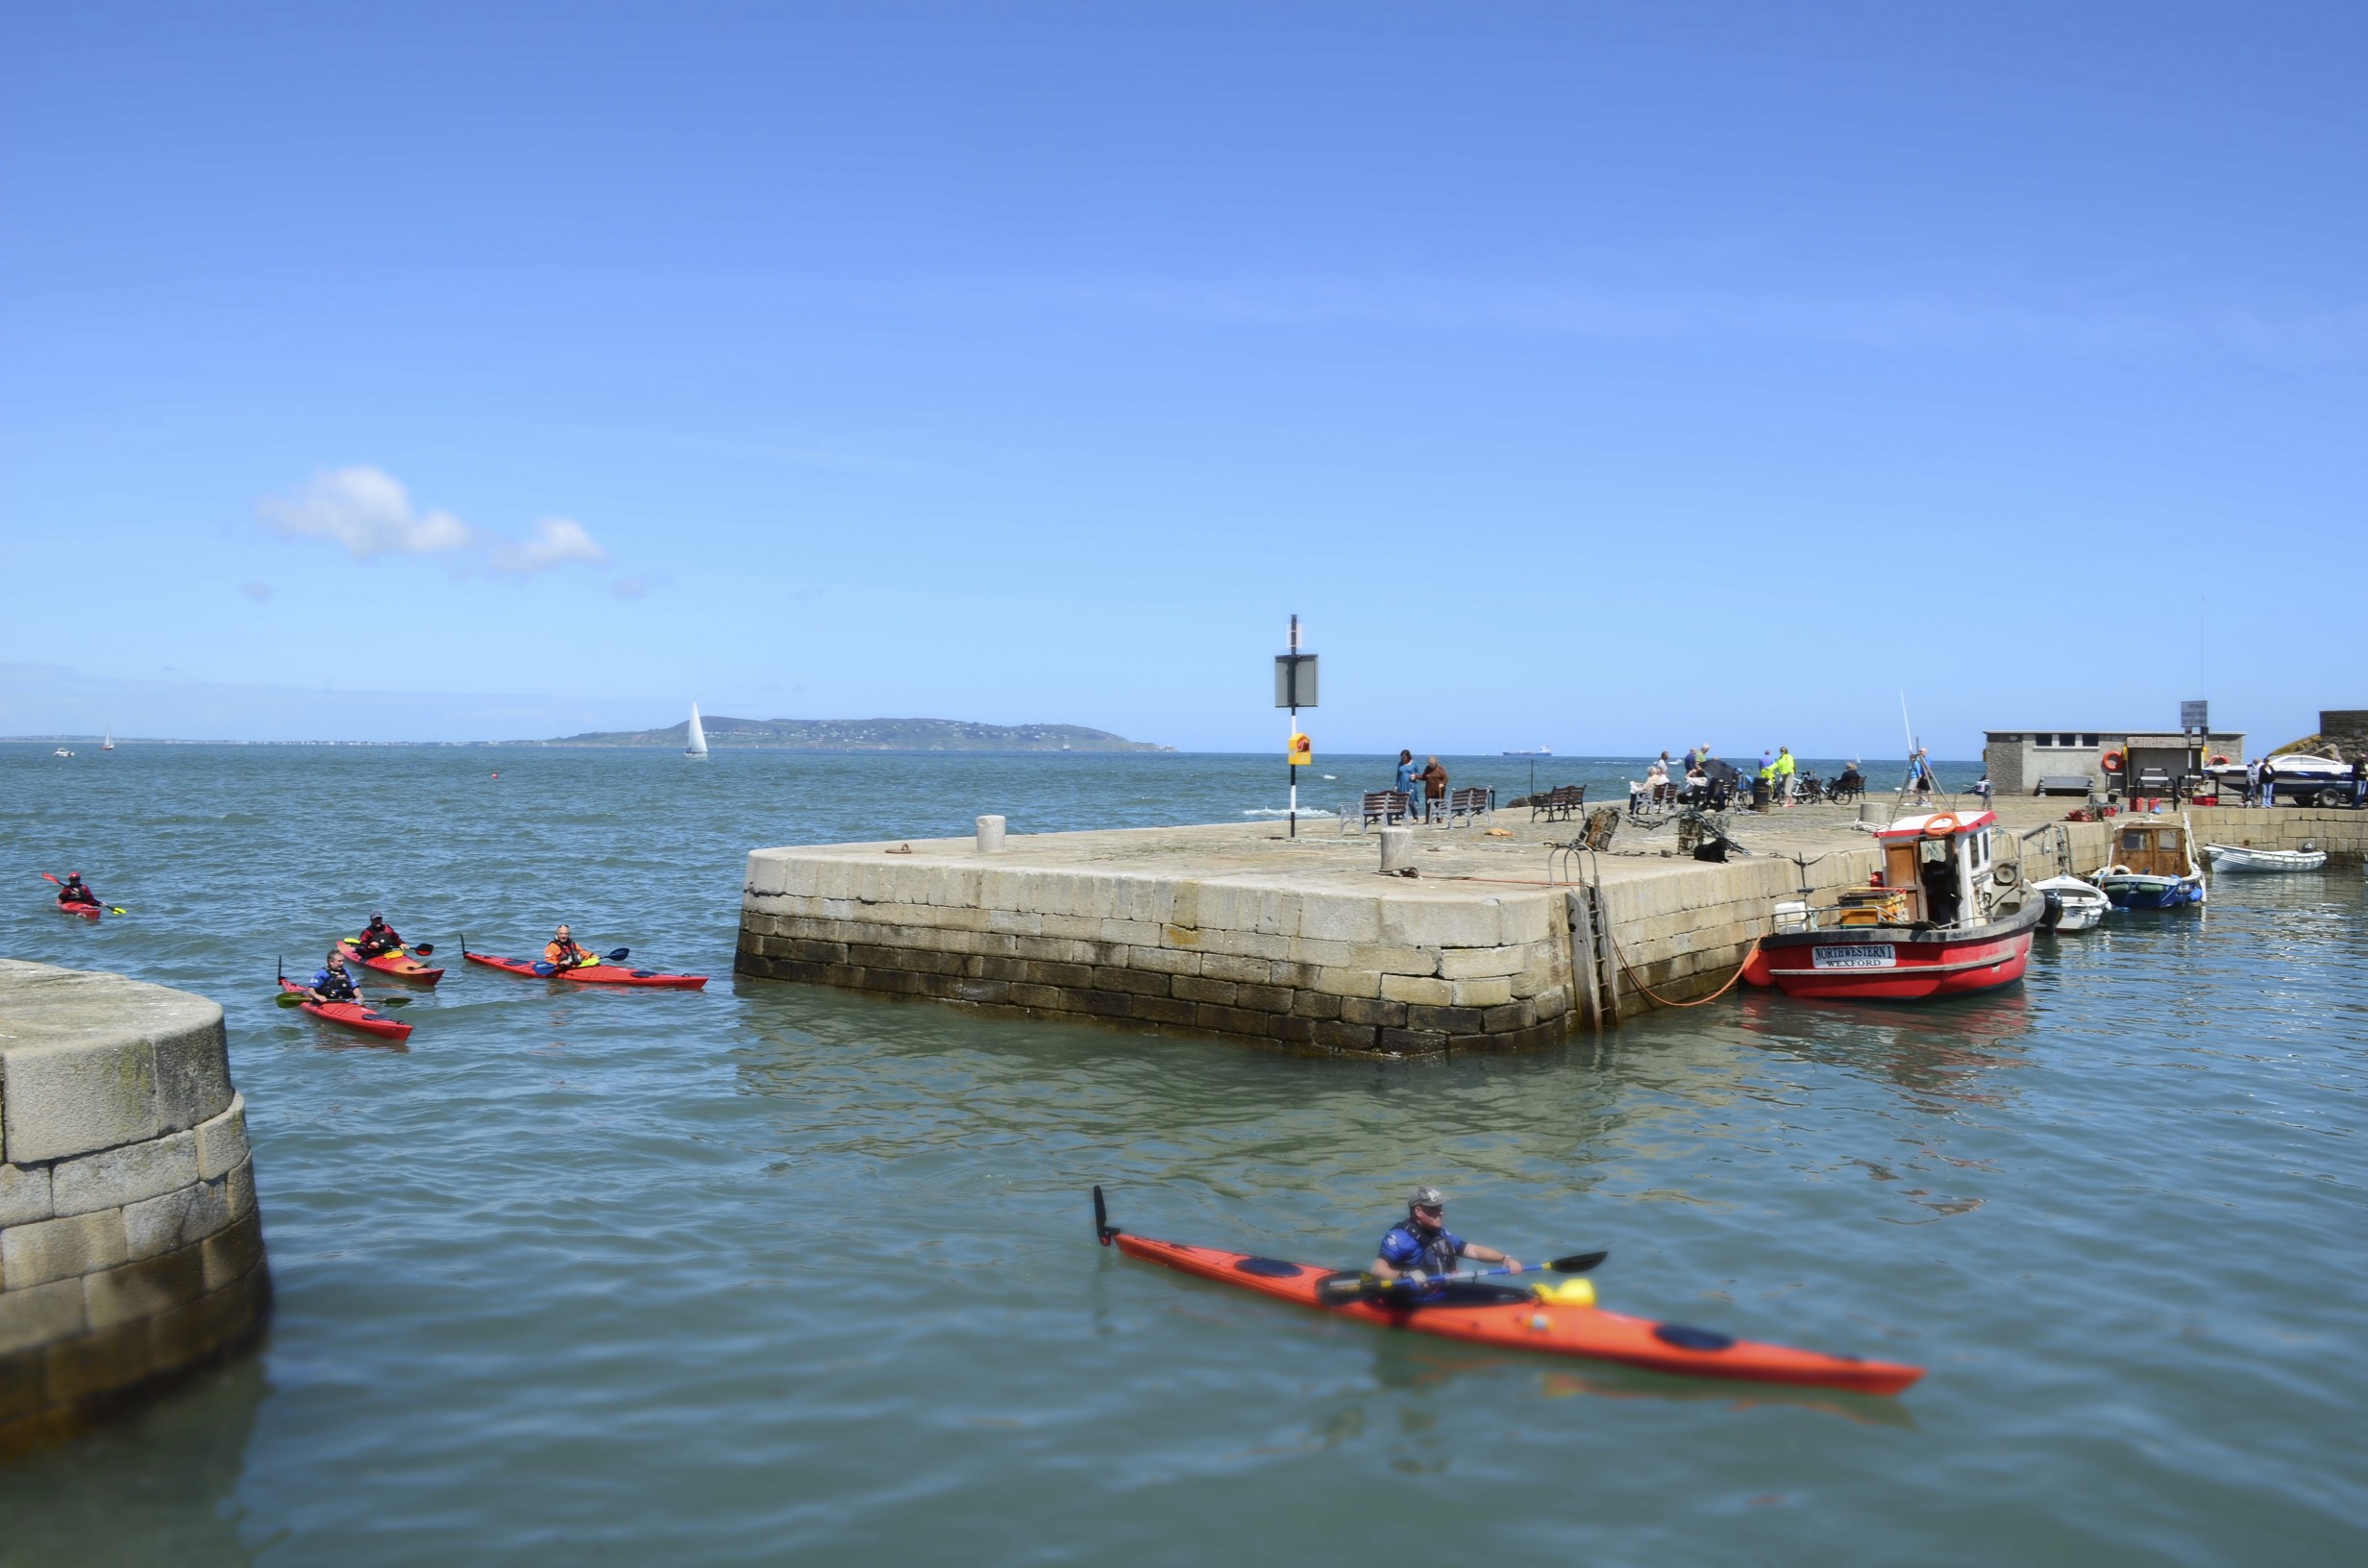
2232	857
2077	905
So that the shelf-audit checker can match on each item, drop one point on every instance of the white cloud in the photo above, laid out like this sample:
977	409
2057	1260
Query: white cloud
555	542
367	511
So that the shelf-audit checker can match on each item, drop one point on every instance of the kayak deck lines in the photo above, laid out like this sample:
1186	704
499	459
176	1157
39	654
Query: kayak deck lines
1521	1318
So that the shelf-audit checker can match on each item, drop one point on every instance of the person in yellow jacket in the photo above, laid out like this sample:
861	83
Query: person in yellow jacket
1784	768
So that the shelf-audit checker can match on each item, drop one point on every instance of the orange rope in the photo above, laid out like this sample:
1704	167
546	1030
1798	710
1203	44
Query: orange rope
1648	991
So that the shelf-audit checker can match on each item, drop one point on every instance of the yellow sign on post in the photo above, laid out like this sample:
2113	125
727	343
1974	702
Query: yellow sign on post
1303	750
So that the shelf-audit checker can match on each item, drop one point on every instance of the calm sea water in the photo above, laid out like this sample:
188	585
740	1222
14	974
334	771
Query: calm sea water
766	1271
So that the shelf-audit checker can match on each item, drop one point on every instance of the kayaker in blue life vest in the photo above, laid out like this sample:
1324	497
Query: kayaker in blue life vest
561	952
376	938
334	982
1419	1248
72	892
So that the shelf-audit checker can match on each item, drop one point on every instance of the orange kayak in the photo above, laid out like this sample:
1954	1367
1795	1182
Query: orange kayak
592	974
353	1016
397	963
1514	1316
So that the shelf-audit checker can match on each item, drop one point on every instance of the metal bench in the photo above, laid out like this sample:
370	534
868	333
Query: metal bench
2064	784
1384	806
1560	804
1474	803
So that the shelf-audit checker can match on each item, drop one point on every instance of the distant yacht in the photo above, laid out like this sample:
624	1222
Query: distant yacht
107	742
1541	751
62	751
698	736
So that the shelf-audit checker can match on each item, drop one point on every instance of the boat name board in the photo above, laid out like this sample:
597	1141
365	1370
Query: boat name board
1856	955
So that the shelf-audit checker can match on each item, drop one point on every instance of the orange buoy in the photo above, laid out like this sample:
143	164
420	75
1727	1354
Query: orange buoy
2219	761
1940	826
2112	762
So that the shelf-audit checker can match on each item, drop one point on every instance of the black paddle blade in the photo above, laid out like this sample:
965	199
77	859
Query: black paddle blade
1103	1230
1578	1263
390	1001
425	949
620	955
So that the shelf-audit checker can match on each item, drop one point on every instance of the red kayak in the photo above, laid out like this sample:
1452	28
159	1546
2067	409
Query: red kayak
1521	1317
352	1015
87	912
398	963
591	974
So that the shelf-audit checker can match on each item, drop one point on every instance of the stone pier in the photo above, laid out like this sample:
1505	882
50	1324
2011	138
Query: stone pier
1497	942
130	1248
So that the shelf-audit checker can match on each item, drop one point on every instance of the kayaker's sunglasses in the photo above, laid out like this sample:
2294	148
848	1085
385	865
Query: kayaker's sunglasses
1434	1210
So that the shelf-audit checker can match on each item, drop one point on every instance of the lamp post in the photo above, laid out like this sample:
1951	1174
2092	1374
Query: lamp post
1294	688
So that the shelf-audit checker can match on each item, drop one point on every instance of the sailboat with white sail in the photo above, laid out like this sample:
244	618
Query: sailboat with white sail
107	742
699	737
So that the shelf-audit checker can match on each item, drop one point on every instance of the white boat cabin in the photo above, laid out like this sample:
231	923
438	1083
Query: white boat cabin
1939	869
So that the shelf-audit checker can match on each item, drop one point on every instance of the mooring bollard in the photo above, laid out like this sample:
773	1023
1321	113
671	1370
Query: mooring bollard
1397	850
1874	813
989	835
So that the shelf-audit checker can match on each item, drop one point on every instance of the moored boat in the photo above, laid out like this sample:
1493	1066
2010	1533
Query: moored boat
2243	857
1944	917
2154	865
2073	905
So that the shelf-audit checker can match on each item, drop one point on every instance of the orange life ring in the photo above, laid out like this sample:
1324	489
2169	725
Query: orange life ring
2219	761
1940	826
2112	762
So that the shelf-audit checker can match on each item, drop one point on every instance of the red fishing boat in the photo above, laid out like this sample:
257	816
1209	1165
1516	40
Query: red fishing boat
1946	915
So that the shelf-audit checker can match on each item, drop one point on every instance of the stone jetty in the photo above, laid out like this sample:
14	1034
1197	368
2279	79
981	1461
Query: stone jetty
131	1247
1498	942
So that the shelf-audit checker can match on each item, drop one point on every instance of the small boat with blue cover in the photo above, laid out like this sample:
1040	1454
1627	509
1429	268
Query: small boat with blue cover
2154	865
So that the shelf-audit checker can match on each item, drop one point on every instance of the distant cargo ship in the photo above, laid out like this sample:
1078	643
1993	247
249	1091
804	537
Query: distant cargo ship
1541	751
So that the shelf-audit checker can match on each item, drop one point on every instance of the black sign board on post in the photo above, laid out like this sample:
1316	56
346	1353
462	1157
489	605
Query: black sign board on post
2195	717
1294	688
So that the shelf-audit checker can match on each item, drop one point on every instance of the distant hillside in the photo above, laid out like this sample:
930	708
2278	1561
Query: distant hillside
871	735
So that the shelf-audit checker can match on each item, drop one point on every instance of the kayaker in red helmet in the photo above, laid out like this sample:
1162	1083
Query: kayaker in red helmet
334	982
561	952
72	892
1421	1247
377	939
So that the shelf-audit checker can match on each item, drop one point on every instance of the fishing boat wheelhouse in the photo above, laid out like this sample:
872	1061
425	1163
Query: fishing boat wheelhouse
1945	916
2154	864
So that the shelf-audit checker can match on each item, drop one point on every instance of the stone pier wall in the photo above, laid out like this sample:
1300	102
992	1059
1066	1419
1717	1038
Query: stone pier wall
131	1247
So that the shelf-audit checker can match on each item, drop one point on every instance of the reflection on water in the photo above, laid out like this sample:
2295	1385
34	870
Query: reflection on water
1943	1052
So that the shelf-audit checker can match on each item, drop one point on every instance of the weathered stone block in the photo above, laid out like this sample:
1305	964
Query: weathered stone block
1194	987
98	1361
36	1315
233	1252
1411	1041
1139	981
24	1382
1479	963
1388	960
1293	1031
1263	998
1371	1013
1315	1004
1164	960
180	1218
221	1143
1229	1020
193	1076
65	1100
1345	1037
1237	968
986	992
1488	992
1346	983
1050	998
1512	1016
1444	1021
145	1288
58	1249
1416	987
24	1194
1162	1010
1333	917
1436	923
130	1174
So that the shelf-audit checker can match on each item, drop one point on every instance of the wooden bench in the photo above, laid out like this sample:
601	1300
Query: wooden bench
1559	804
1474	803
2064	784
1383	806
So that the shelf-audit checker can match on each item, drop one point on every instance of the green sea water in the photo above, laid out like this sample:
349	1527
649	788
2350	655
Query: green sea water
771	1273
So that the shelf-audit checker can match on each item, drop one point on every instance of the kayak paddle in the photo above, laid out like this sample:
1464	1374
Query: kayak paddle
109	908
547	970
291	998
1338	1293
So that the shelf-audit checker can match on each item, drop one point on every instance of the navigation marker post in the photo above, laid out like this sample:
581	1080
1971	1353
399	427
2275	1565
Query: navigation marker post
1294	688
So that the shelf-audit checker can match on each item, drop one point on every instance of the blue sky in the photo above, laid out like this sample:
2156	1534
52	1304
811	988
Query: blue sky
1600	377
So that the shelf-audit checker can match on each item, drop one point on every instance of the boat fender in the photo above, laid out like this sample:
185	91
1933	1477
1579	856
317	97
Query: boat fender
1566	1292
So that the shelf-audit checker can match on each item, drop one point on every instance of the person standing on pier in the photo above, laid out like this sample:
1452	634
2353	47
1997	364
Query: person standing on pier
2269	783
1409	783
1434	789
1785	769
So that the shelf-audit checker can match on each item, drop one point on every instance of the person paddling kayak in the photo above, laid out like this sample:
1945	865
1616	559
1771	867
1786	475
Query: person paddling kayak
1419	1248
561	952
333	983
377	939
71	891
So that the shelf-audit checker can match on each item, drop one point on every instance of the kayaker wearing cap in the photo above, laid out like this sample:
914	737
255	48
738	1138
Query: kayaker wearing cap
377	937
333	983
1421	1247
560	953
72	892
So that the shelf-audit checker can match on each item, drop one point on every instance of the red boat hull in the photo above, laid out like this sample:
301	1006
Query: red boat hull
399	964
594	974
353	1016
1534	1325
85	912
1917	969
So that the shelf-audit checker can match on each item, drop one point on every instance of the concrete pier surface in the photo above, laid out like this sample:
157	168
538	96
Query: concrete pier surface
1499	942
131	1247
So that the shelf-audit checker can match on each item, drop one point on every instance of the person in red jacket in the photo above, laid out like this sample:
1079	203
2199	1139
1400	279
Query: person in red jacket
378	939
